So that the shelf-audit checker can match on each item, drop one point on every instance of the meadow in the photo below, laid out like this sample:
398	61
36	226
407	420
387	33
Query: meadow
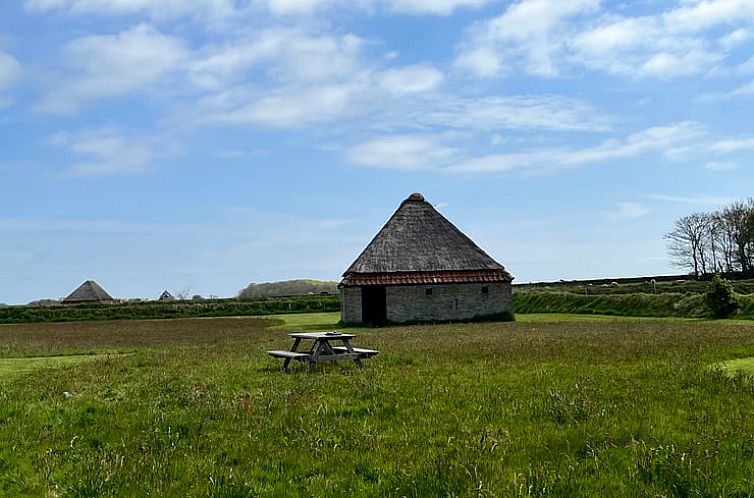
549	405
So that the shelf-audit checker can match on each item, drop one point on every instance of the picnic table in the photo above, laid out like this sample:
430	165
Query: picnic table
324	348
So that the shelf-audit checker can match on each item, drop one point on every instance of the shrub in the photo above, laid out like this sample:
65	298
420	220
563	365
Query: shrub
720	298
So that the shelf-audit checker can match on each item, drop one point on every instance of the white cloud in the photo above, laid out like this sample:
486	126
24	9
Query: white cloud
222	9
290	55
729	145
305	7
429	151
112	65
298	7
105	151
482	61
628	211
522	112
157	9
433	7
438	7
529	31
746	89
656	139
282	77
698	15
735	38
665	65
545	36
292	107
410	79
404	152
720	165
9	70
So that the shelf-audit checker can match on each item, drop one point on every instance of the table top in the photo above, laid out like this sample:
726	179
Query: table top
321	335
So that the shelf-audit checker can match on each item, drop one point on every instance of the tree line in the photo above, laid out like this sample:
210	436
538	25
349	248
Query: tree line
716	242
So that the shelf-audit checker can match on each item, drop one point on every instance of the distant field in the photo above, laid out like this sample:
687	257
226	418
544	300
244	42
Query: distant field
550	405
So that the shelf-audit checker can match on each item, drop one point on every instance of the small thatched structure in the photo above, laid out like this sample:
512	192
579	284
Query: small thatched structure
166	296
420	267
88	292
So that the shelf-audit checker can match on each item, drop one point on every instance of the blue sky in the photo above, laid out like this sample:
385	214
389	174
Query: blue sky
199	145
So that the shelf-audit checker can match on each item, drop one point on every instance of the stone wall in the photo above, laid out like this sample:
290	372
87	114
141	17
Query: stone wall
350	304
445	303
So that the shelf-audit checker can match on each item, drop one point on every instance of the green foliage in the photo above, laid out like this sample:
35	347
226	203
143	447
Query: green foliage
173	309
657	305
679	285
300	287
520	409
639	304
720	298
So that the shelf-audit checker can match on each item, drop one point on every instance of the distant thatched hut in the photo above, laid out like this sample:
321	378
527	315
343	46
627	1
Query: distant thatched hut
89	292
166	296
420	268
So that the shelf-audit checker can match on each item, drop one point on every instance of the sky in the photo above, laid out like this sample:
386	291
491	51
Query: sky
201	145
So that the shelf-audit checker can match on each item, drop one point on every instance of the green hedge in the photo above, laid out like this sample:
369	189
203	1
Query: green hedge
178	309
638	304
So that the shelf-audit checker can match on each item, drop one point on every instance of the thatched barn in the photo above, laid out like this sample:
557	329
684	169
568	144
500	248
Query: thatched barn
88	292
421	268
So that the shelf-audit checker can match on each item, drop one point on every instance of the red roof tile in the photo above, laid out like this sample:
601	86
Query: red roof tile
425	277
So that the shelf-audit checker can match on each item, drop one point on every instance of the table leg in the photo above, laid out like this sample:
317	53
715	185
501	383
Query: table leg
293	349
349	348
316	350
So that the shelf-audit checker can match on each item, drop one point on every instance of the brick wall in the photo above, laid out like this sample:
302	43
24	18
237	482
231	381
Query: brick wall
446	302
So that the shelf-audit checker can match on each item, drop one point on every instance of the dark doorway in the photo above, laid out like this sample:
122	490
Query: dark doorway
373	305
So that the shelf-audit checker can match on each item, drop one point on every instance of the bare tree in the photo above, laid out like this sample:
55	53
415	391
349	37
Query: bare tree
713	242
686	242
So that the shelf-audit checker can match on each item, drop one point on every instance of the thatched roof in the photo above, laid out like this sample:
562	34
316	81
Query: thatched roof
418	239
88	292
166	296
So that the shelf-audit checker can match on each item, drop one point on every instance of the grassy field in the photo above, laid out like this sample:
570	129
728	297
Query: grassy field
545	406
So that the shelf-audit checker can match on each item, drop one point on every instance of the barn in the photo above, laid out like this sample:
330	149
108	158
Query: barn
88	292
421	268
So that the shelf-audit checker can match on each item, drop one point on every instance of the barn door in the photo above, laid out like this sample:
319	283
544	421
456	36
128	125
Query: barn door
373	305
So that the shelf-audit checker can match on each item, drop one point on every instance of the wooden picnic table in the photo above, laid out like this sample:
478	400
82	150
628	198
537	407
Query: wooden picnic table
324	348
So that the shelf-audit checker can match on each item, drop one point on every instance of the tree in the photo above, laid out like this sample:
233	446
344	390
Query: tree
686	242
720	298
725	242
738	224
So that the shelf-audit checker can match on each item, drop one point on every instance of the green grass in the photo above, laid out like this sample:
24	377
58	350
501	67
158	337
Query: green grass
309	321
745	365
15	366
545	406
329	321
566	317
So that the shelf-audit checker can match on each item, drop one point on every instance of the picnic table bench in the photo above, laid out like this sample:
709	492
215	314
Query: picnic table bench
322	349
